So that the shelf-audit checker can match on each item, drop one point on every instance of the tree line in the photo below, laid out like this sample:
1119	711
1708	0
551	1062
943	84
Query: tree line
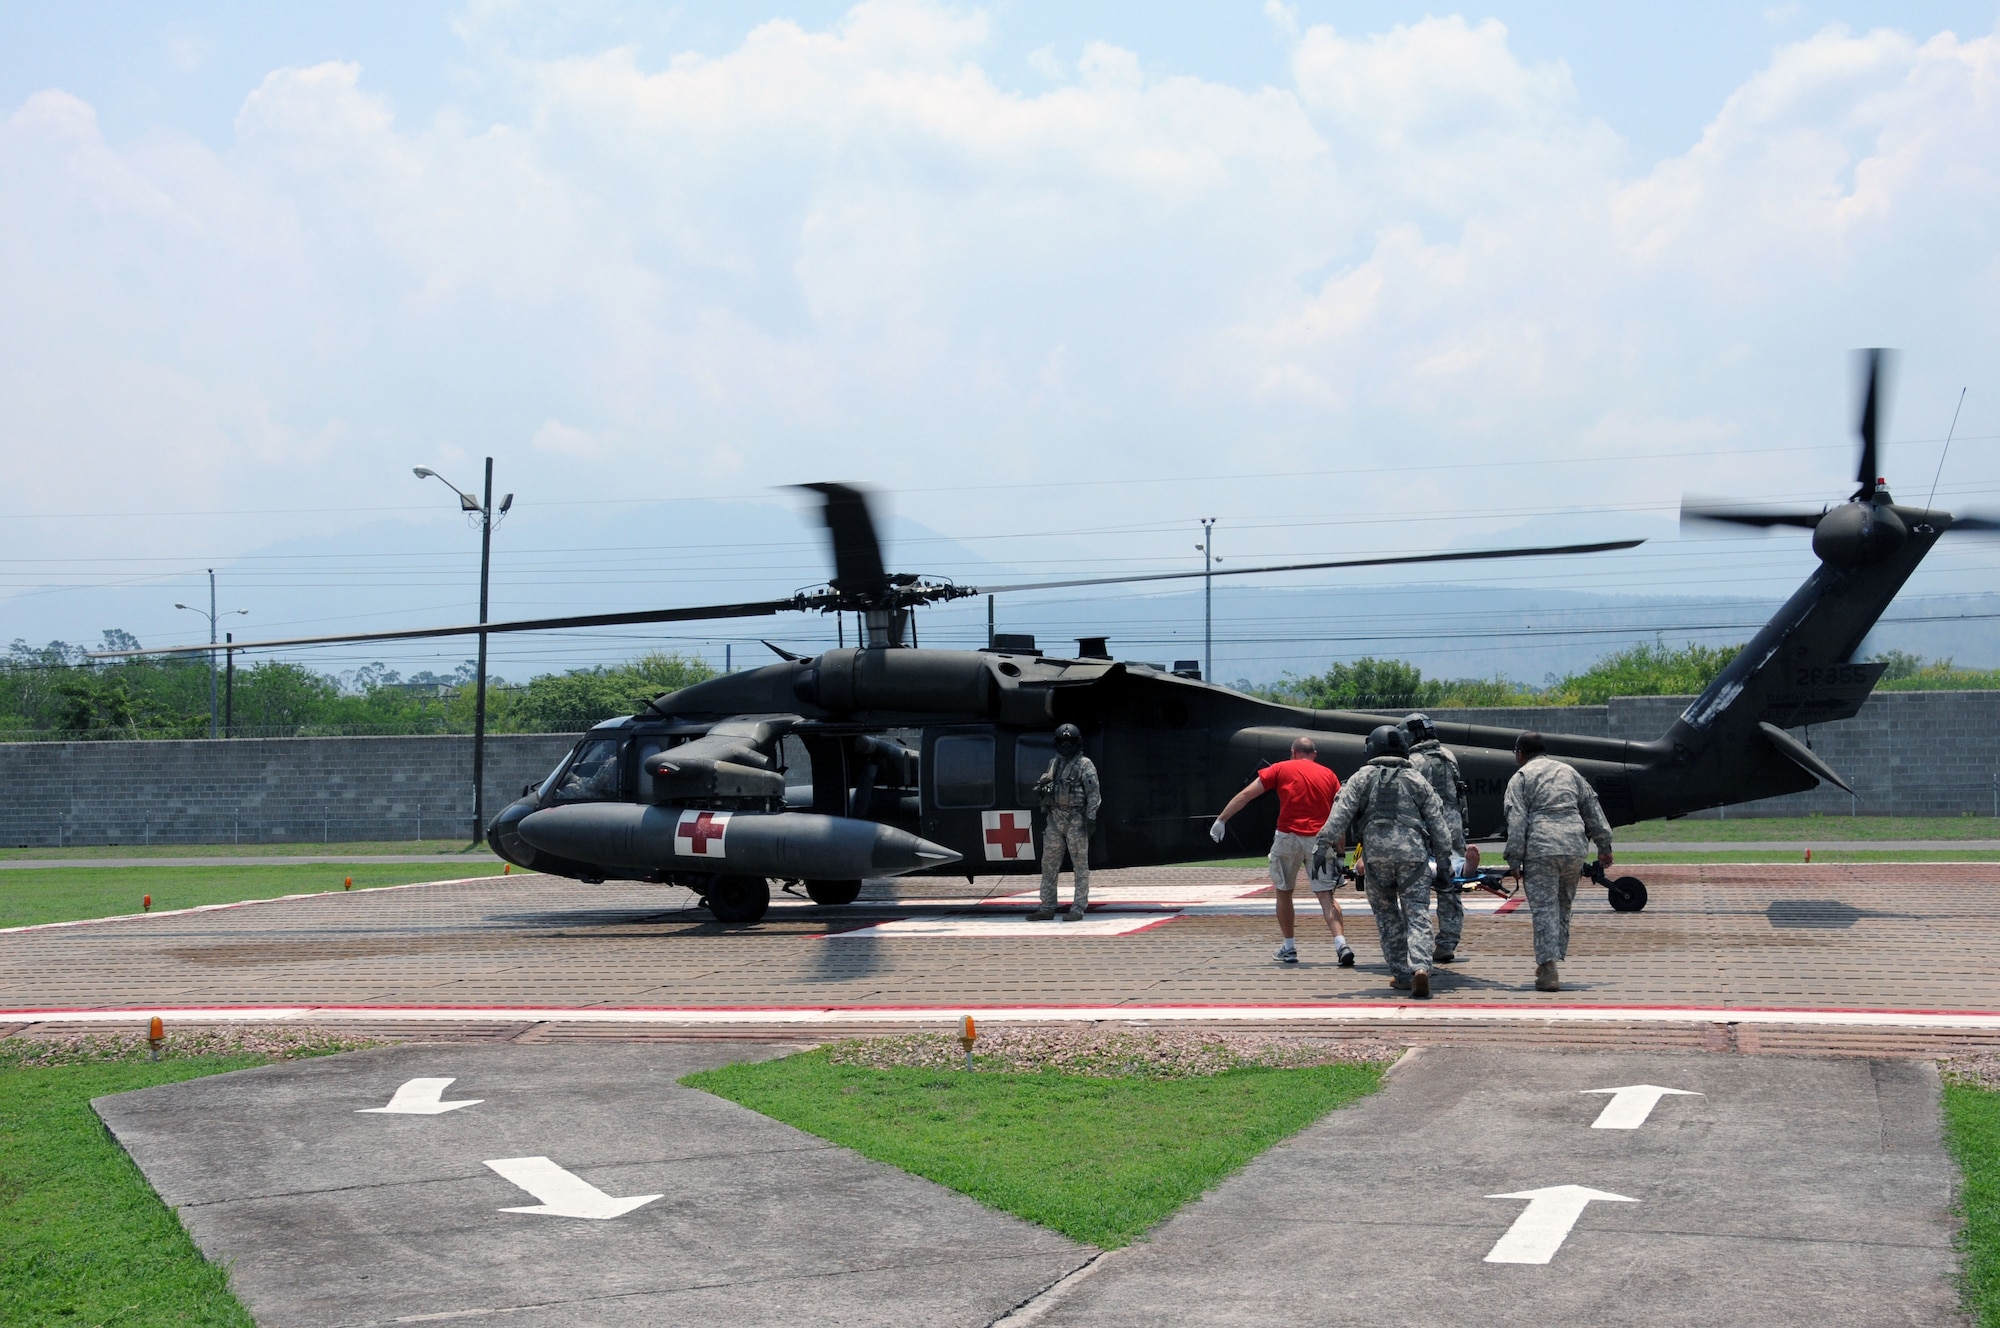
1648	669
53	692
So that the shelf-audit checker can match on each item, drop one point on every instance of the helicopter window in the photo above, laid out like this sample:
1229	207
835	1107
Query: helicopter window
1032	754
963	765
593	775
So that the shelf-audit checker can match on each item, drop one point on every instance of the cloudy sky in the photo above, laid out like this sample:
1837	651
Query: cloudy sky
1064	278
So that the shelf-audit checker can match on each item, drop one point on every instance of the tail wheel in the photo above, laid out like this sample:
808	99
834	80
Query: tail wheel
1628	894
738	901
833	892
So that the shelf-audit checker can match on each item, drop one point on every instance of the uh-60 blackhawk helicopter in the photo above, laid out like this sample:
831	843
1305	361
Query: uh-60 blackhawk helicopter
924	761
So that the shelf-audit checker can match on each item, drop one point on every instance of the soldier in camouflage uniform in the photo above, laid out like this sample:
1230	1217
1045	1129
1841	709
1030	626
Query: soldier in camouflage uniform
1431	759
1401	823
1070	797
1551	811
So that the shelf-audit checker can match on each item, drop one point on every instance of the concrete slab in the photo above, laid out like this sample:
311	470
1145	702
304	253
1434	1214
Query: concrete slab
1793	1191
330	1214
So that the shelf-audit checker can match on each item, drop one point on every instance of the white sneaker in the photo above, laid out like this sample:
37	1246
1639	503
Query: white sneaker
1344	953
1288	953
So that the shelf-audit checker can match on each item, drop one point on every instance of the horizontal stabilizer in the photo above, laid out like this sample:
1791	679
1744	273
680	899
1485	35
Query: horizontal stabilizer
1803	756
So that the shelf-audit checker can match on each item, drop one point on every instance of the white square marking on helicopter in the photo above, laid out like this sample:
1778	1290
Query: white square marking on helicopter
702	834
1009	836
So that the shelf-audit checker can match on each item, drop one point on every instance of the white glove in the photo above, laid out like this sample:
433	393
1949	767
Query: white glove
1216	831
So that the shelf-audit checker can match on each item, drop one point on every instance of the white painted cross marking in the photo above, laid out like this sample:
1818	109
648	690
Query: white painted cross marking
1629	1106
421	1097
563	1193
1544	1225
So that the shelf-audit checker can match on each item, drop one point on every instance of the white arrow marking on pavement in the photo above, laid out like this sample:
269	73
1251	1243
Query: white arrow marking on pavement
421	1097
563	1193
1629	1106
1543	1226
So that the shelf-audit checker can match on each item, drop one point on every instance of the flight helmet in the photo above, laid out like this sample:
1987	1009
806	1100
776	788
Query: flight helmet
1386	740
1069	739
1420	727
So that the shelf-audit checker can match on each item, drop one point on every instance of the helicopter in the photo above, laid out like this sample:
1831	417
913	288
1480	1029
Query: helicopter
888	759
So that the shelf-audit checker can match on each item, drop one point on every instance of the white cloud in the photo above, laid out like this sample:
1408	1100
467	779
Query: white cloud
859	252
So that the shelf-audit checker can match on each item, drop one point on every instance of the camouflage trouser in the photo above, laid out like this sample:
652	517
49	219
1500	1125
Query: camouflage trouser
1065	830
1399	894
1451	917
1550	885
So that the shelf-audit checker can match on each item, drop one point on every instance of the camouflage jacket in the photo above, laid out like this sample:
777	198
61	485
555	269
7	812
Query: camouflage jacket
1394	811
1552	812
1434	761
1070	784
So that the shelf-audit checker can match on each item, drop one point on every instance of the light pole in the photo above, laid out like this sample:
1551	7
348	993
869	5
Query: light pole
211	615
1208	561
483	510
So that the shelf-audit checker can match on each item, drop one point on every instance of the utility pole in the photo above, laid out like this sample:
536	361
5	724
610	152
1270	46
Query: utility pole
1208	561
482	509
229	687
212	616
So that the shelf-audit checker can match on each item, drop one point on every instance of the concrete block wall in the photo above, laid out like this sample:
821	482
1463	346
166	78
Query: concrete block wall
260	790
1908	754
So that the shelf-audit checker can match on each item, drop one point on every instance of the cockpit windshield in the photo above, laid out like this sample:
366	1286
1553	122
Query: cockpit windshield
592	775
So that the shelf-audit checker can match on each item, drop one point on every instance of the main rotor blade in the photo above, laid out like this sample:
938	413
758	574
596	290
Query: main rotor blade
1975	523
1870	411
857	550
1697	509
755	609
1476	555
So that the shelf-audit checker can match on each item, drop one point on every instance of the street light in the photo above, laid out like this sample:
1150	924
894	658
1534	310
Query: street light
211	615
1208	560
483	509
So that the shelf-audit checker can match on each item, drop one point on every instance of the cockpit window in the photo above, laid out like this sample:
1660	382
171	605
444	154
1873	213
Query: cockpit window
593	775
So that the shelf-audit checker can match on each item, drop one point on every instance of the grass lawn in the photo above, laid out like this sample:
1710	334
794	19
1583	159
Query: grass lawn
63	894
83	1238
1815	828
1098	1159
1972	1128
1639	856
358	848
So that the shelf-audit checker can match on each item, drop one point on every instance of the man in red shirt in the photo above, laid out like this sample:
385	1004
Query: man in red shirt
1306	790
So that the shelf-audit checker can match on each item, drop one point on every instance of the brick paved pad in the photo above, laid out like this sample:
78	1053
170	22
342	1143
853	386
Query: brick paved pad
1794	1191
1854	936
328	1216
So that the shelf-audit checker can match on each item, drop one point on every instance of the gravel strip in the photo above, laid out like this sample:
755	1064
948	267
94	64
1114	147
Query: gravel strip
1110	1053
1973	1069
41	1051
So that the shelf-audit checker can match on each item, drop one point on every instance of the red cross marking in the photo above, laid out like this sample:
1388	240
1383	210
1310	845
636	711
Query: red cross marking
700	830
1009	837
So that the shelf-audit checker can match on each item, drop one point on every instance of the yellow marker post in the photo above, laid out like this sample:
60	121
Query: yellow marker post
156	1033
968	1033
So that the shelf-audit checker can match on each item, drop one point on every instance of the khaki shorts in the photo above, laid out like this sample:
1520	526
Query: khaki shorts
1289	854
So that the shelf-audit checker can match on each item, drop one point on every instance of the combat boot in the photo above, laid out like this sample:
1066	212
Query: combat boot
1043	914
1075	914
1546	978
1399	982
1420	984
1444	956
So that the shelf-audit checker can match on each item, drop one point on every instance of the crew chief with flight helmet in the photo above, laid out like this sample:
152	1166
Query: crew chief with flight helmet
1401	824
1551	810
1431	759
1070	796
1306	791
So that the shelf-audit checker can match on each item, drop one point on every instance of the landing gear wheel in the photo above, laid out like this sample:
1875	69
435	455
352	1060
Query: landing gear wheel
833	892
1628	894
738	901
